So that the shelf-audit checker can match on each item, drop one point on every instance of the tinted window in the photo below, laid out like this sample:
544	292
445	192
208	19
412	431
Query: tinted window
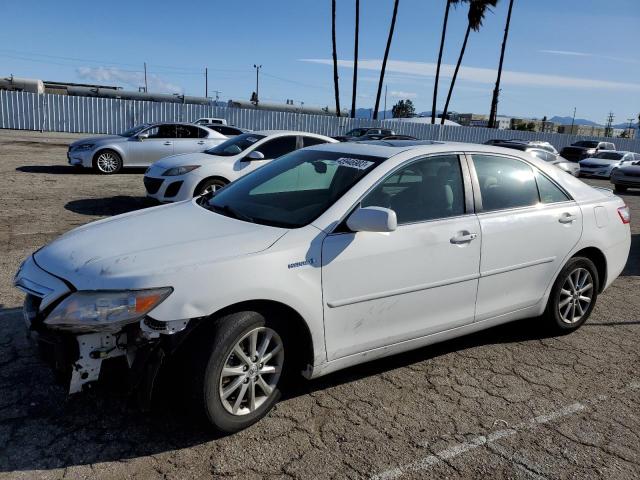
162	131
277	147
133	131
187	131
609	155
586	144
549	192
425	190
223	129
505	182
309	141
293	191
235	145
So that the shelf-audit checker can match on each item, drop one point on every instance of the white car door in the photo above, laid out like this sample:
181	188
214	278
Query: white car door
528	224
188	139
384	288
150	145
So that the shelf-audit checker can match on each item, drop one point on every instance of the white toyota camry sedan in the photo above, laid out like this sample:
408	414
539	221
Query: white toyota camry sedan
331	256
181	177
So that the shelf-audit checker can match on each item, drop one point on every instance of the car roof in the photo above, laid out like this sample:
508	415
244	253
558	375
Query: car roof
287	132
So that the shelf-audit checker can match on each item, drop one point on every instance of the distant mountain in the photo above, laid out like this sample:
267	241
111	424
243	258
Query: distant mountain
578	121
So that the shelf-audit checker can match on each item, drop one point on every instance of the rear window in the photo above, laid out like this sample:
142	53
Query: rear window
610	155
586	144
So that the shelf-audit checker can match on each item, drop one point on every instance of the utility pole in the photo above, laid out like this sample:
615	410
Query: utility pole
608	130
146	89
217	92
384	114
257	67
573	120
206	82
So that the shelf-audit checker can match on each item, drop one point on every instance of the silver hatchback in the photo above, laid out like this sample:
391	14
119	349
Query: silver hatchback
141	146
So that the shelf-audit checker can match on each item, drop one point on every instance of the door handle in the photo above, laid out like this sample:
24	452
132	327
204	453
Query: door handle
168	143
463	237
567	217
201	142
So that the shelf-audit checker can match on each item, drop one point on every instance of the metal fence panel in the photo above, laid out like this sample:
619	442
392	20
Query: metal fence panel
61	113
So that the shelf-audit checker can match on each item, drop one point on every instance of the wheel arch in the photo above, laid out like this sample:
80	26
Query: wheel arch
212	177
303	346
109	148
599	260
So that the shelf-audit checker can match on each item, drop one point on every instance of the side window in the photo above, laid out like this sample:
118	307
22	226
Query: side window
425	190
505	182
162	131
549	192
277	147
309	141
202	133
187	131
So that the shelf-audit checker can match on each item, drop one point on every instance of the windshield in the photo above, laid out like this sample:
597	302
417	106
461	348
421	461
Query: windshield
134	131
609	155
235	145
586	144
356	132
294	190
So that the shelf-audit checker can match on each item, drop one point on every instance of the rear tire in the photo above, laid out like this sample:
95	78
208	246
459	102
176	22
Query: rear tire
209	185
619	188
107	162
573	296
241	353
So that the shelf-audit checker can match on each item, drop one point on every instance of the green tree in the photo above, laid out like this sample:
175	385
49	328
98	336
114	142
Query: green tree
477	11
403	109
442	38
386	56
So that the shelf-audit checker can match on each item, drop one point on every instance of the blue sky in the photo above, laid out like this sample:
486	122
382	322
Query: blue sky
561	54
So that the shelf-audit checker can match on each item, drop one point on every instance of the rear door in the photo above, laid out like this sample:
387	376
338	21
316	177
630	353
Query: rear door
529	225
190	139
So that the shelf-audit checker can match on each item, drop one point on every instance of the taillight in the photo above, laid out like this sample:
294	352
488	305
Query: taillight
624	214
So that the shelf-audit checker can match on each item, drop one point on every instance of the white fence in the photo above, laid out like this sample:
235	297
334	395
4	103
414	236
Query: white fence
61	113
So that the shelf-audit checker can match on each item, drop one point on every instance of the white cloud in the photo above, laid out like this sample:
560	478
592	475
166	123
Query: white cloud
129	78
566	52
401	94
590	55
484	75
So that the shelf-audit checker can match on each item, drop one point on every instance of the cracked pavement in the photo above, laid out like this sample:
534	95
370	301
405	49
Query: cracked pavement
505	403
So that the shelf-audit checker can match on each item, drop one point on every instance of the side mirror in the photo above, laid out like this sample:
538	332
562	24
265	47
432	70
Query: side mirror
255	155
143	136
373	219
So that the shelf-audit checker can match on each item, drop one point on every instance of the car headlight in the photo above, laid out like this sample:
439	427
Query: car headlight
84	146
105	310
179	170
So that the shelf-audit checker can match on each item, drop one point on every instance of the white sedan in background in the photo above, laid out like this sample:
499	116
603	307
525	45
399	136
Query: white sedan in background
330	256
603	163
181	177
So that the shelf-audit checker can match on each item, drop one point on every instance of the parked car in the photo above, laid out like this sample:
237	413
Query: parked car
584	149
545	155
530	143
627	176
330	256
603	163
182	177
210	120
227	130
358	134
140	146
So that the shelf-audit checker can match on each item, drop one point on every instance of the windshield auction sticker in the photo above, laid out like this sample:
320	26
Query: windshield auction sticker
353	163
252	139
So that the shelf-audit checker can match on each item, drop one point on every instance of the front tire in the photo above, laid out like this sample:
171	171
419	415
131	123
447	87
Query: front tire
107	162
238	370
209	185
619	188
573	296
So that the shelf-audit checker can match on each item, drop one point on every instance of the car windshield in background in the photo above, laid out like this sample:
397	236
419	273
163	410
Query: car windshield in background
294	190
133	131
586	144
235	145
356	132
609	155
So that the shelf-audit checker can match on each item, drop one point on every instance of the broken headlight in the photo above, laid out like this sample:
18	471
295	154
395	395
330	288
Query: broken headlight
105	310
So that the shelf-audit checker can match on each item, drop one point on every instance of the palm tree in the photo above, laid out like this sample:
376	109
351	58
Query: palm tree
496	91
386	56
335	56
444	34
355	61
477	11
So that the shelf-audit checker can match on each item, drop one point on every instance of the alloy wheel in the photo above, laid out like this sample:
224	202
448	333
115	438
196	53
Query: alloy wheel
107	162
575	296
251	371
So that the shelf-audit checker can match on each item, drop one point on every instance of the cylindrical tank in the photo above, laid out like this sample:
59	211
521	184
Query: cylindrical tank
31	85
284	107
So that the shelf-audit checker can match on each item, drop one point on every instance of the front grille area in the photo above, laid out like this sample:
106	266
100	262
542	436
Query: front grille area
173	189
152	184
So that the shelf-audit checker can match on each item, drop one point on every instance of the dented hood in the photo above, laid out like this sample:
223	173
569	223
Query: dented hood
137	249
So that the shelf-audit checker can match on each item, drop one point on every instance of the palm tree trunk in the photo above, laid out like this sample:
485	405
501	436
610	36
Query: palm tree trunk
435	83
455	74
335	57
386	56
355	61
496	91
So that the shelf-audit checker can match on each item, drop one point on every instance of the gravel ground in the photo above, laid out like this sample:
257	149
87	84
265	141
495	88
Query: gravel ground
504	403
